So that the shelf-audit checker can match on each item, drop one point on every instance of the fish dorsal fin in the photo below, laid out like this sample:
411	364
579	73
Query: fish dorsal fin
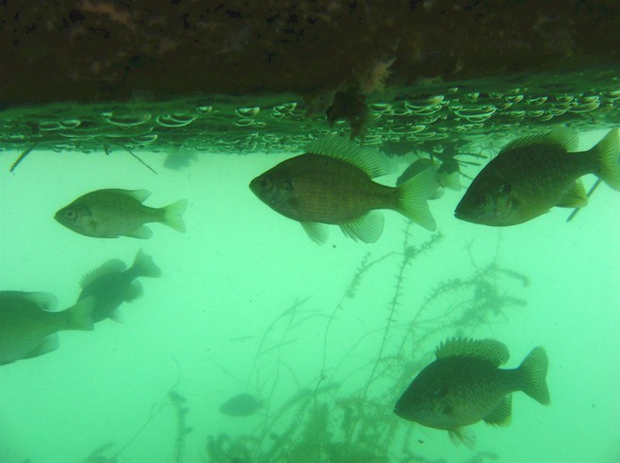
111	266
484	349
560	137
45	301
575	197
367	228
502	414
369	160
140	195
317	232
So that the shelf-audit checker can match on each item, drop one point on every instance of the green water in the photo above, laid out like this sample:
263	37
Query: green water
327	336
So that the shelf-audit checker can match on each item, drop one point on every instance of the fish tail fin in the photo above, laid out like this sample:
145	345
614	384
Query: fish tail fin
413	196
80	316
607	152
144	266
173	215
533	371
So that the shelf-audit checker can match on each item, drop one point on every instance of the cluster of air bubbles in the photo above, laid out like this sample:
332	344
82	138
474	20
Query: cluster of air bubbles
240	125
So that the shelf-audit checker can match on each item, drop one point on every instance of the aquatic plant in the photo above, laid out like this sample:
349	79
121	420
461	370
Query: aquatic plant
182	430
330	421
109	453
105	453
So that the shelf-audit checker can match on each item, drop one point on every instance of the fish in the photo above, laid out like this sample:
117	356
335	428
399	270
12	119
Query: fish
332	184
111	213
28	328
447	174
465	385
532	174
112	284
179	160
241	405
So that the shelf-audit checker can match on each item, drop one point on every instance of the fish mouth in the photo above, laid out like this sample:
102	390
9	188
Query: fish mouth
404	413
254	186
459	214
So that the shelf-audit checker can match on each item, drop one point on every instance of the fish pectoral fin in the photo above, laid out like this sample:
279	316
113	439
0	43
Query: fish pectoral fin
144	233
317	232
367	228
460	436
49	344
502	414
575	197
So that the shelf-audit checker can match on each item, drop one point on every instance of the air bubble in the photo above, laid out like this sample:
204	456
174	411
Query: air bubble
247	112
175	120
126	120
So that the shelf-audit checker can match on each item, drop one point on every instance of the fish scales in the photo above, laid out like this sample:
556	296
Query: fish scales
332	191
535	185
111	213
533	174
332	184
464	385
130	209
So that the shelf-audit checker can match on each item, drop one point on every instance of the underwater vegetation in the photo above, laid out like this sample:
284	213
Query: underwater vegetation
109	453
330	421
346	413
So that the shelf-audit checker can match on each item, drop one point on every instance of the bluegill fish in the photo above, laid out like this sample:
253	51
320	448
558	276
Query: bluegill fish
28	329
241	405
447	174
113	283
113	212
465	385
533	174
332	184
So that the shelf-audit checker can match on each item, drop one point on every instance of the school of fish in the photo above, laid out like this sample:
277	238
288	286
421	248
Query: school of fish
333	183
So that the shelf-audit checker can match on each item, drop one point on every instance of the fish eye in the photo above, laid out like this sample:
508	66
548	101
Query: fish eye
265	183
71	214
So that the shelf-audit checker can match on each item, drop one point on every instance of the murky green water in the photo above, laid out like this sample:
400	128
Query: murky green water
326	337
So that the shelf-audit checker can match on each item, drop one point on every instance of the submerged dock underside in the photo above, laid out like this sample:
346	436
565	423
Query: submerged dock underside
267	76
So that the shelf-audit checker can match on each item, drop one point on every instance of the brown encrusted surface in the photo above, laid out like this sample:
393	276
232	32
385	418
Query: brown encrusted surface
110	50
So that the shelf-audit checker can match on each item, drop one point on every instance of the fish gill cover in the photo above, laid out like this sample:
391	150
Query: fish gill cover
319	342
